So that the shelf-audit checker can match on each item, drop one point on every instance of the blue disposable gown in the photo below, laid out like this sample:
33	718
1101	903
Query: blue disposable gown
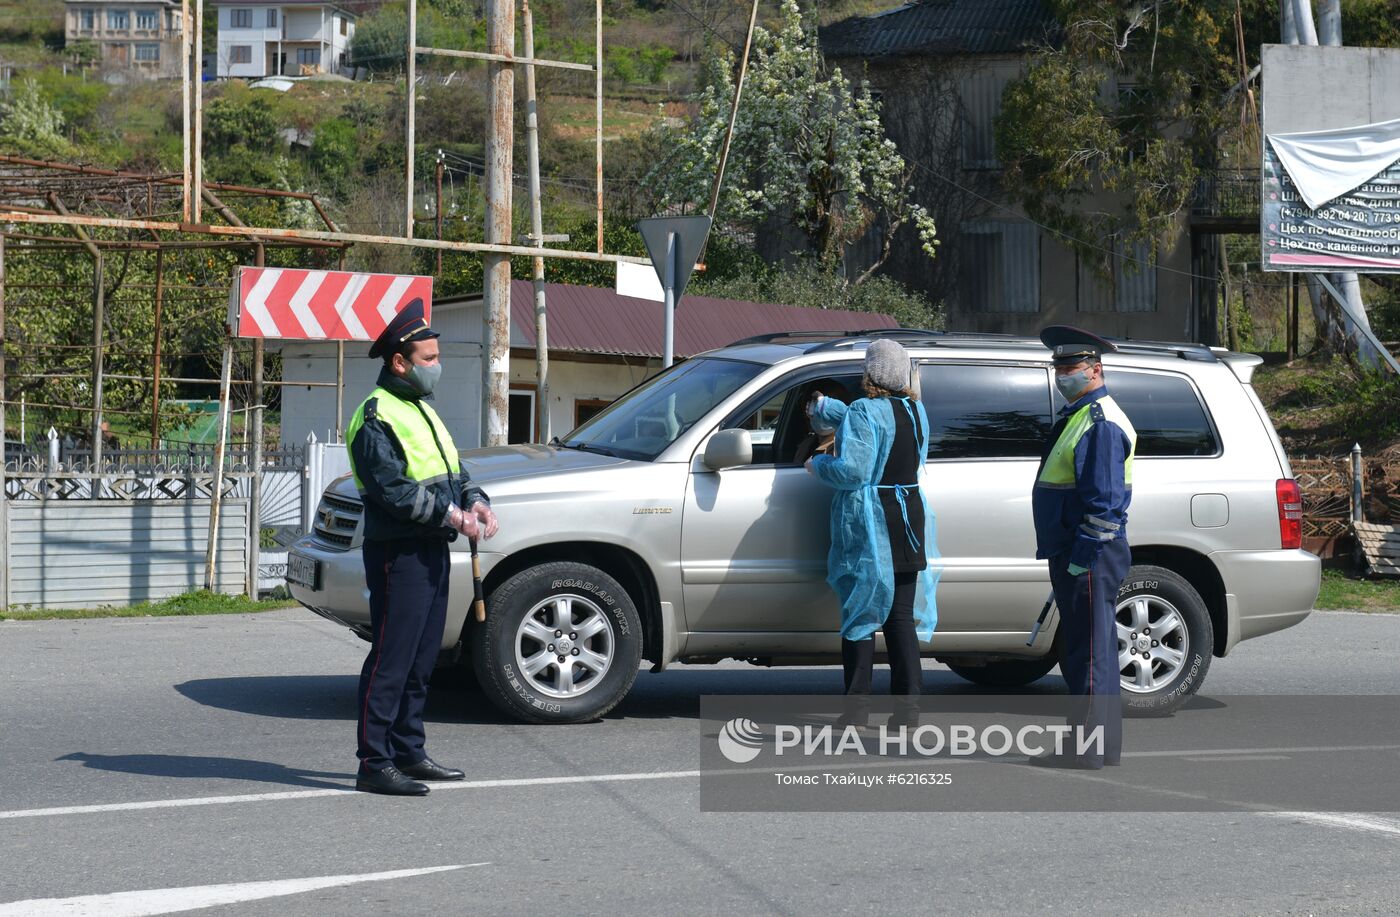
859	566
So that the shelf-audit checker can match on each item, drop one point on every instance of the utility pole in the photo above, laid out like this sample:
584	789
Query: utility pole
99	320
4	407
437	209
411	75
255	483
500	78
197	122
155	342
532	134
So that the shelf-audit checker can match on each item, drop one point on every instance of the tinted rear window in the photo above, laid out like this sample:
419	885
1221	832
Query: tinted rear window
986	411
1166	412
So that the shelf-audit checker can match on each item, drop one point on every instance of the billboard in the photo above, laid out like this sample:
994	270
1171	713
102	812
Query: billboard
1330	196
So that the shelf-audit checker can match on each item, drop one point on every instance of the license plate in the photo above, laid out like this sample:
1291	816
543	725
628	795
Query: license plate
304	571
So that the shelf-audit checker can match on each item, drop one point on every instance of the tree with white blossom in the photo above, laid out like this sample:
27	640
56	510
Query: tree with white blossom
808	148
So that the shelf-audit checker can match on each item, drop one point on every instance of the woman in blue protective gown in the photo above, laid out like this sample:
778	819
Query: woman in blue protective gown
882	529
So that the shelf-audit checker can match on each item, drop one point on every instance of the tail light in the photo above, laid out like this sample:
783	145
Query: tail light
1290	513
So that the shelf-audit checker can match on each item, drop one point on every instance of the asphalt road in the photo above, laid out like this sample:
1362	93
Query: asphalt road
153	765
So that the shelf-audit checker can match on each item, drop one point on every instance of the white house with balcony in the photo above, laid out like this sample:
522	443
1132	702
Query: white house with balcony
282	38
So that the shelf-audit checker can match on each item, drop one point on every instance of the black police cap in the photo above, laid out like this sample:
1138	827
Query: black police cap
408	326
1069	345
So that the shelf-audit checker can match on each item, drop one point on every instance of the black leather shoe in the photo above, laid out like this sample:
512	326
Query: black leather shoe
428	769
1070	762
390	782
855	711
905	716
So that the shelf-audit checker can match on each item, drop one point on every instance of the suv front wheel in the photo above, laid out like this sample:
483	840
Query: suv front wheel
1164	641
561	644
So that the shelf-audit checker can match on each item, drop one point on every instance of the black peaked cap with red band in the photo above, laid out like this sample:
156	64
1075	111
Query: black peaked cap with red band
408	326
1070	346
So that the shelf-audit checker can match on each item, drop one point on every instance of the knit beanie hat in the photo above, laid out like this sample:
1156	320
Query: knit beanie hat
887	365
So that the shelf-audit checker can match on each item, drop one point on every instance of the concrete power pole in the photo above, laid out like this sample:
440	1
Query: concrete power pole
500	78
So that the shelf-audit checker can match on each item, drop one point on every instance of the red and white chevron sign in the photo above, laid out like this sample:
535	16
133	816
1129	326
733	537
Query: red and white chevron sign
272	302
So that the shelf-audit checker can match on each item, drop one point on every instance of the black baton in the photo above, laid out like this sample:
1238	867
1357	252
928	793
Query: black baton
1040	621
478	600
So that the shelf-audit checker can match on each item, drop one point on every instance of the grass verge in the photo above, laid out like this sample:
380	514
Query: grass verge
1340	591
191	603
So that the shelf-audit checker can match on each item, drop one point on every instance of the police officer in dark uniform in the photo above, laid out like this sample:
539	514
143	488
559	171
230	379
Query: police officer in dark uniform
1080	504
410	478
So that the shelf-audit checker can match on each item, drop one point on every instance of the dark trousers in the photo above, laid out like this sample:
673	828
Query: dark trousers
1089	639
407	582
901	643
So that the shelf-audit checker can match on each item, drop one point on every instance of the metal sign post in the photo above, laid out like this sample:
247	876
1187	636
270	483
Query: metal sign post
674	244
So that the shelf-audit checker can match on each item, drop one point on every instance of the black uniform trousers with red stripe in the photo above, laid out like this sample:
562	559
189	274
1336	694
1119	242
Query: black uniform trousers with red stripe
407	582
1089	639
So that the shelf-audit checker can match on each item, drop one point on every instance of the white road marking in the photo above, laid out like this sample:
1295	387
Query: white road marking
193	897
1353	822
314	794
1192	753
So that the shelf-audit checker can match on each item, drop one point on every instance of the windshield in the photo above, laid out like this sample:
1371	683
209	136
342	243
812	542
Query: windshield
645	421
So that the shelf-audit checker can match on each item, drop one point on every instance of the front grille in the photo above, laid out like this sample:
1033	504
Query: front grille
337	518
344	504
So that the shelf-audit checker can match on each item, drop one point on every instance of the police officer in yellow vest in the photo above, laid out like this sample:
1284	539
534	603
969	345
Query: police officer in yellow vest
1080	504
412	481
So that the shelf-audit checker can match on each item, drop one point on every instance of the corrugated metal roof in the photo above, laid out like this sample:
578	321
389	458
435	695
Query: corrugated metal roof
942	27
596	320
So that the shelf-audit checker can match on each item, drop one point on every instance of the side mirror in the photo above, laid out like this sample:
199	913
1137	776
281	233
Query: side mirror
728	448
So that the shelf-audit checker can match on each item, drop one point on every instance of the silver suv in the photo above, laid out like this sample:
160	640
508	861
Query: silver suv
675	526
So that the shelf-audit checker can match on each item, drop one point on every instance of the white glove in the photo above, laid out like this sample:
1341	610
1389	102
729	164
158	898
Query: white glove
461	520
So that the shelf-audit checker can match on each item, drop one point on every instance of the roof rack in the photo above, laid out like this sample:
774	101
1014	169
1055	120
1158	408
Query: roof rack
922	337
777	336
1198	353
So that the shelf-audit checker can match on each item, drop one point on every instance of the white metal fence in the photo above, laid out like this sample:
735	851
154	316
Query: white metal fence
137	527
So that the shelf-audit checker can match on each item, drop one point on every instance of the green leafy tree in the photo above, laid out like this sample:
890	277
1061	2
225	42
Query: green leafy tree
380	41
808	148
334	152
808	284
229	123
1104	136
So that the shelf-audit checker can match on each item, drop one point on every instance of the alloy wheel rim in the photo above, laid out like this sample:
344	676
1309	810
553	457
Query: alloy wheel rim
564	646
1152	643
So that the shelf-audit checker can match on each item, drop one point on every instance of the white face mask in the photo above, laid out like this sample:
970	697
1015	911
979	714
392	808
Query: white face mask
1072	385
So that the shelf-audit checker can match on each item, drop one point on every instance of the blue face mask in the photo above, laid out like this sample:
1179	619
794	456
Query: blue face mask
1072	385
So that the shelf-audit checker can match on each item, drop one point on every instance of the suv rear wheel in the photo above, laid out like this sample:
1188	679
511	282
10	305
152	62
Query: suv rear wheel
1164	641
561	644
